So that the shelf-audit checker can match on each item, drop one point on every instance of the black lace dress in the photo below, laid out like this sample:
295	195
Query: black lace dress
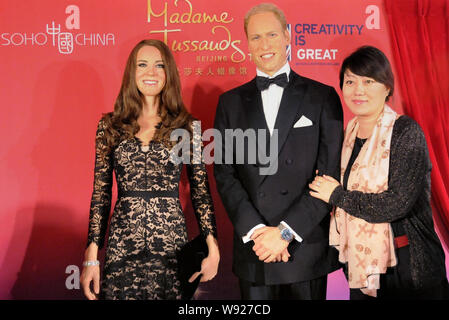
147	226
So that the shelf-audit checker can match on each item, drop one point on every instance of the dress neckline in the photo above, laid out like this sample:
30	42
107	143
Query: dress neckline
141	142
157	126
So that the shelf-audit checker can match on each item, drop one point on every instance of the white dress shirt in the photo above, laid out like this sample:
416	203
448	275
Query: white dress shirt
271	97
271	100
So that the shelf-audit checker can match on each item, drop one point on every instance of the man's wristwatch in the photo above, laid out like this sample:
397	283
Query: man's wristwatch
286	233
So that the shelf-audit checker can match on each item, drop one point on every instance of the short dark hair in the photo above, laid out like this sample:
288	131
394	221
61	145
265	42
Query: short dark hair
368	61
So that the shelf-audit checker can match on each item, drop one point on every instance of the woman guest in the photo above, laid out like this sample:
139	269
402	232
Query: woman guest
382	225
147	227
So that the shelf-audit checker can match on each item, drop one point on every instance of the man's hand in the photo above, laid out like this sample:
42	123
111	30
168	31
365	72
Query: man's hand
283	256
269	246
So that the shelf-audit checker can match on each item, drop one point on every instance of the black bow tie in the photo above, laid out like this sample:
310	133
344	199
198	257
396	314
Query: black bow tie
264	82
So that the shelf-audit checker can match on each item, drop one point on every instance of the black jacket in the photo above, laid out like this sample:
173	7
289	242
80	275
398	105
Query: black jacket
251	198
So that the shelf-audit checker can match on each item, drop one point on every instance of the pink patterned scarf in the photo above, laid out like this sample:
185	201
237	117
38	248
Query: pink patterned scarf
367	248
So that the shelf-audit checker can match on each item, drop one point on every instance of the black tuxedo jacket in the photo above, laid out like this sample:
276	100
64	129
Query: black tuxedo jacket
251	198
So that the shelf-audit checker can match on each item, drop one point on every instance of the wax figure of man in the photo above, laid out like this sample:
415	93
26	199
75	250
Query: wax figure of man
281	243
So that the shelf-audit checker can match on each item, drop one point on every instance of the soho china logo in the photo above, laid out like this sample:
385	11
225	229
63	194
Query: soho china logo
54	35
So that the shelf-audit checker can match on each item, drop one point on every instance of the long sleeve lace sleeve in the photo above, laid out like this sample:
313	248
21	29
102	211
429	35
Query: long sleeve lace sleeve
199	191
102	192
201	199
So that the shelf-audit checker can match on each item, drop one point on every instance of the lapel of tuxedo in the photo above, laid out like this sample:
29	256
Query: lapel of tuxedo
256	120
254	108
290	105
289	108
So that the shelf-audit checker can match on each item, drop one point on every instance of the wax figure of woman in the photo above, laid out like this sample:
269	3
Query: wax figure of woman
147	227
382	225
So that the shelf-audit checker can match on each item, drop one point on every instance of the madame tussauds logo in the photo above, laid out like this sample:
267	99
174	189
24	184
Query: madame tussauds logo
64	40
186	15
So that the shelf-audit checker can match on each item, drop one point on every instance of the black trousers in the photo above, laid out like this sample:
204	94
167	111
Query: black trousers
397	284
307	290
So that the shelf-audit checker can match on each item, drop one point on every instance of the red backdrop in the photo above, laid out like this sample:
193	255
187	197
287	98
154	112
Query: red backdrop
61	66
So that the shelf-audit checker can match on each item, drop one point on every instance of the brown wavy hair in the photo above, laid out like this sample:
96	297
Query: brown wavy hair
121	124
